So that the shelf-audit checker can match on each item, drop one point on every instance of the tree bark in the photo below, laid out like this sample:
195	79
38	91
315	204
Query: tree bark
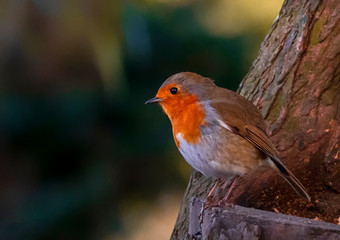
240	223
294	81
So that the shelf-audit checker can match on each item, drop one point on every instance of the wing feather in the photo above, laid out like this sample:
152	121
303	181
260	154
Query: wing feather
235	111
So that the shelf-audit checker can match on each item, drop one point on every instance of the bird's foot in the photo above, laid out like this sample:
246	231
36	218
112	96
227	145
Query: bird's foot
208	204
226	203
211	203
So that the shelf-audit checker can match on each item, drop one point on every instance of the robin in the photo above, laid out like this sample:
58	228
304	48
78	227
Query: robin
218	132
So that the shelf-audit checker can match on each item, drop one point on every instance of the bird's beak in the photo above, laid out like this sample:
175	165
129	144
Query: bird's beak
153	100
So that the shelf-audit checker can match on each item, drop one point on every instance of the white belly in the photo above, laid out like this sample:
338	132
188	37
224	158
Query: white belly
209	157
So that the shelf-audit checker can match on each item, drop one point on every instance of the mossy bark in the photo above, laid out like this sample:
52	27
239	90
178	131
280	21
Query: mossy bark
295	82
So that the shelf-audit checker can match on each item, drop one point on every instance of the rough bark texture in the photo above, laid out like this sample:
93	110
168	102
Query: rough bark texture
240	223
294	81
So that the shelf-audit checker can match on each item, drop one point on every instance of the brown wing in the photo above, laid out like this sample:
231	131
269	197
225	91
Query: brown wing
244	119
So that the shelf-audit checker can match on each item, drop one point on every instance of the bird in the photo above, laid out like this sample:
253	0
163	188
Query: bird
219	132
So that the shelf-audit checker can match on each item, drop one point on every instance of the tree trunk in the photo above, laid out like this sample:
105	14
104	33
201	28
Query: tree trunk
294	81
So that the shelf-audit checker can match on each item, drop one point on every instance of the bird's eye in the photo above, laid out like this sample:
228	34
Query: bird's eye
173	90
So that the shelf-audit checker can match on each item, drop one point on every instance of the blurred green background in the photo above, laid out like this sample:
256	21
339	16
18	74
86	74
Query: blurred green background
81	156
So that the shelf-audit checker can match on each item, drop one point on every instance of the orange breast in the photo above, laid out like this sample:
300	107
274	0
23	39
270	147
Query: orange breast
187	116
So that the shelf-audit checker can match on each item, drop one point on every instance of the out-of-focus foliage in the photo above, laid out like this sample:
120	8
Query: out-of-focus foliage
229	18
80	153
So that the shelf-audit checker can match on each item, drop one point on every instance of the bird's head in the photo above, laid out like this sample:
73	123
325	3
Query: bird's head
181	90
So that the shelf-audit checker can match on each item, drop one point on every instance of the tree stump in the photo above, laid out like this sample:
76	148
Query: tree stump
239	223
295	82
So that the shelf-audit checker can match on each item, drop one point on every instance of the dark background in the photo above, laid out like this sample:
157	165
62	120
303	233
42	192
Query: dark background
81	156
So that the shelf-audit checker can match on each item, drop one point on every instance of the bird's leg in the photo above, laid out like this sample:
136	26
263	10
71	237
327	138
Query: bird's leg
227	183
210	202
211	194
224	201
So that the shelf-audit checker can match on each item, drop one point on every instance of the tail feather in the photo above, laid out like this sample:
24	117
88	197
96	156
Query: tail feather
291	179
297	186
